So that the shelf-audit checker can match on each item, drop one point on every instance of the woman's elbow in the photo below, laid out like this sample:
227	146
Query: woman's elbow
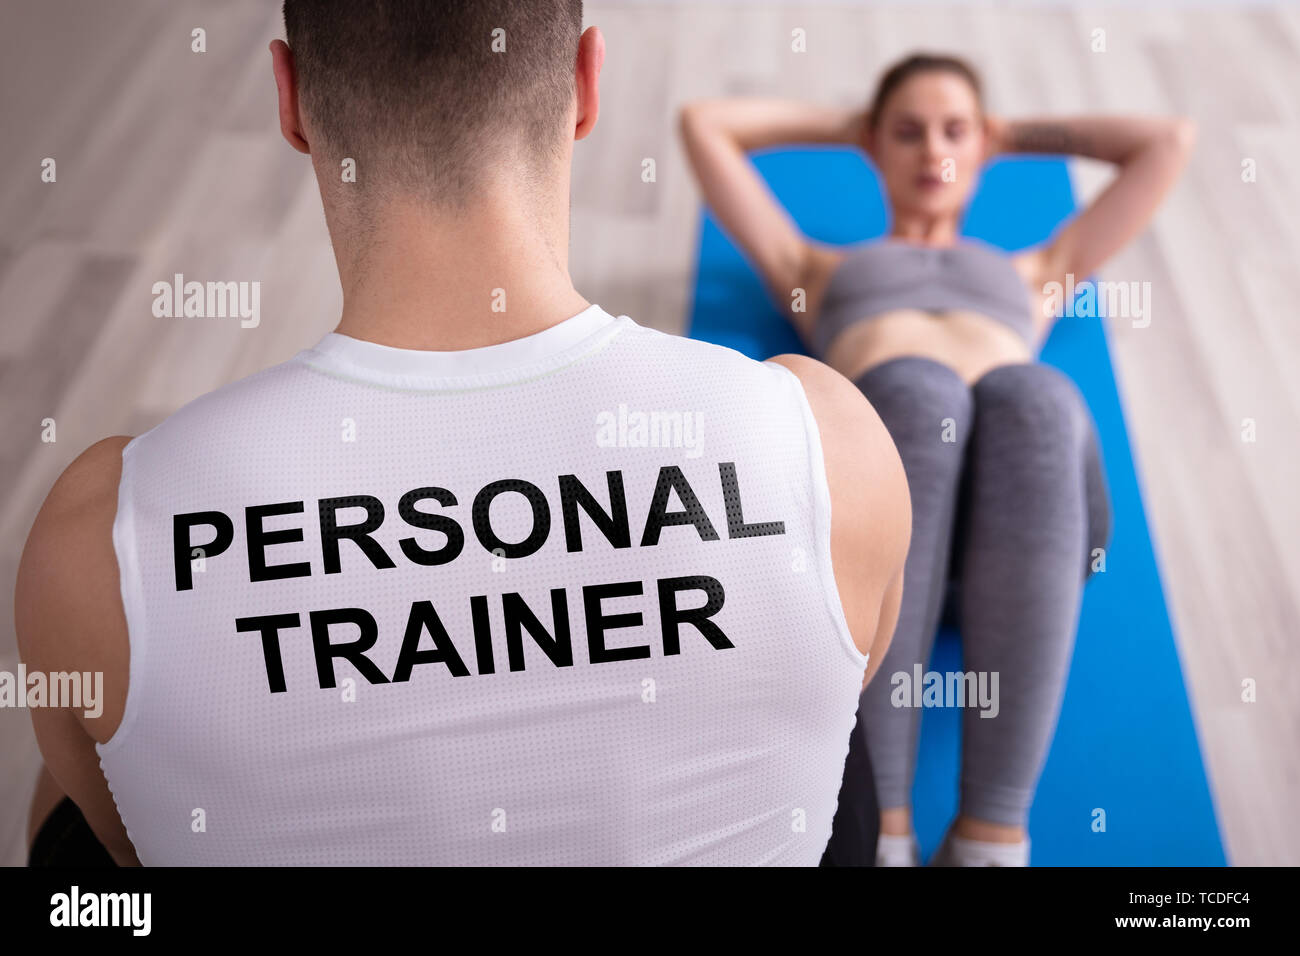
1182	133
692	116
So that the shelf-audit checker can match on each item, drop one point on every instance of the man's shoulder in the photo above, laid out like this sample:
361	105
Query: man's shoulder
68	570
870	503
227	411
845	419
659	347
862	464
827	390
66	593
86	488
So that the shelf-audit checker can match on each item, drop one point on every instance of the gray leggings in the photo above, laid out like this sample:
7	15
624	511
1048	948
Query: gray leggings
1008	502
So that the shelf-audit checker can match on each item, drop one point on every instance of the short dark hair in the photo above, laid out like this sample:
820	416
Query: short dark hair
419	92
910	66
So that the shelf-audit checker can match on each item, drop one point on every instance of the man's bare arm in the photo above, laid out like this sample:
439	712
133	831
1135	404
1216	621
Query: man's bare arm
68	616
871	511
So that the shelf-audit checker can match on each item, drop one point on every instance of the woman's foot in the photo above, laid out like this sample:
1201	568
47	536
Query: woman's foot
895	850
896	843
959	850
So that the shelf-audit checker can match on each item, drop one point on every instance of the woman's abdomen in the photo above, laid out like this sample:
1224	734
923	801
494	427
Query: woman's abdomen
967	342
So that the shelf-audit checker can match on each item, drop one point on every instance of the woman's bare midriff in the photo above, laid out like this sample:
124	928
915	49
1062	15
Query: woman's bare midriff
967	342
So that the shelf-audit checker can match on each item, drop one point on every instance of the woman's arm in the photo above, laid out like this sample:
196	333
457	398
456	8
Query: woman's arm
1150	154
717	133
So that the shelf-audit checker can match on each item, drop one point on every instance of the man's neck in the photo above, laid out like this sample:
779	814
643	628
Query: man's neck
425	280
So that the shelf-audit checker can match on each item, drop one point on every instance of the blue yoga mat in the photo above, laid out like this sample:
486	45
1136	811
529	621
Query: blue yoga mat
1126	744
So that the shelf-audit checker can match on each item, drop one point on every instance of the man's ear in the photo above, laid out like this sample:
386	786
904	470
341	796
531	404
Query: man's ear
591	55
286	85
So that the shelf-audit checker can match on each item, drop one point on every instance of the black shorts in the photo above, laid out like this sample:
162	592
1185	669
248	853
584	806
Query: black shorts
65	839
856	826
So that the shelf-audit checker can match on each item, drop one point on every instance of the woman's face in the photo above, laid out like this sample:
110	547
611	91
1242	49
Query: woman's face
929	144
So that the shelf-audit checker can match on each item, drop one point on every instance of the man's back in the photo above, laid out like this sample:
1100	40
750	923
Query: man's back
382	604
567	599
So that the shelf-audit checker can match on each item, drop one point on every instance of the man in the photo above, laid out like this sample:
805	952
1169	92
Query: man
488	575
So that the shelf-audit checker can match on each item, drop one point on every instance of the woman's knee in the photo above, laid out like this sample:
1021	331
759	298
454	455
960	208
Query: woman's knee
1035	400
919	396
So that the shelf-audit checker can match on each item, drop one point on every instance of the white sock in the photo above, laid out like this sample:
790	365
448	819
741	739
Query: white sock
894	850
959	851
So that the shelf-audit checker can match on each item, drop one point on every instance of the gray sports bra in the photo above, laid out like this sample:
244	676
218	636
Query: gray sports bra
881	275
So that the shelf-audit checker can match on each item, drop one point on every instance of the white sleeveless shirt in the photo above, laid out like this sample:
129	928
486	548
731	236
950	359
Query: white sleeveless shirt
562	600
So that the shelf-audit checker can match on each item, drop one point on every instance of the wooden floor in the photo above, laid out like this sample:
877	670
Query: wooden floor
170	161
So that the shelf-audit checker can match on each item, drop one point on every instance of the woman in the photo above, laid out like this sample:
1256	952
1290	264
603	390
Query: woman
941	334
